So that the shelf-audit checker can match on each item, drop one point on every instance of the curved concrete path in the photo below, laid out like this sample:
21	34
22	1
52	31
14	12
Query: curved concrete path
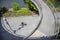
47	27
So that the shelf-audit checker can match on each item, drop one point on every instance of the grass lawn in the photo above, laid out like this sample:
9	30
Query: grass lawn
15	13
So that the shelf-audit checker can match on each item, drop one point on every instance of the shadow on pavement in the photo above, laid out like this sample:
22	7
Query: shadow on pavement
4	35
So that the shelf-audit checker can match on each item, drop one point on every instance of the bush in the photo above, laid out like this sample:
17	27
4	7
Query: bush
16	13
55	3
24	11
3	10
31	5
15	6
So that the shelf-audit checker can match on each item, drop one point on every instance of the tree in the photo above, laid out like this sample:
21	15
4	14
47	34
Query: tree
56	3
31	5
15	6
3	10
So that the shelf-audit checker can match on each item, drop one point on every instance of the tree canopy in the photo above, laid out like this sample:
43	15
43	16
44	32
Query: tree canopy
15	5
31	5
56	3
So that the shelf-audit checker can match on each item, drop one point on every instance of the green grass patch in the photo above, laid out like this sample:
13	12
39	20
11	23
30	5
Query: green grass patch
15	13
24	11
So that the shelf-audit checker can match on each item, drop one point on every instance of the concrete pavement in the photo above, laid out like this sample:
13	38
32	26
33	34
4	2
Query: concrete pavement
14	22
48	23
47	27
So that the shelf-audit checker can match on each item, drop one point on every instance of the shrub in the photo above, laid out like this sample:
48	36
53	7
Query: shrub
24	11
3	10
15	6
31	5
